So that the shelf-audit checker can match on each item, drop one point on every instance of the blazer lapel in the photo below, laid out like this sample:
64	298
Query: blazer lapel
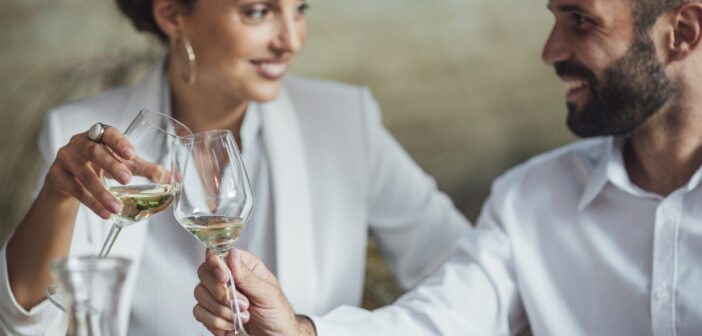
293	214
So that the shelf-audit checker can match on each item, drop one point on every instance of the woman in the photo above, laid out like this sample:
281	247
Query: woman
324	171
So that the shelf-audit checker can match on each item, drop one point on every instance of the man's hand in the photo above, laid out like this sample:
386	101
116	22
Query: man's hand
264	308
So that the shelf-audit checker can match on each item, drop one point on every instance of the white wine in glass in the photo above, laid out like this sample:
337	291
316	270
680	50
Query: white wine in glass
217	232
141	201
150	189
214	197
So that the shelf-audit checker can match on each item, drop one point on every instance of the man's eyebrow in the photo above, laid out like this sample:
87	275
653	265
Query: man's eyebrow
568	9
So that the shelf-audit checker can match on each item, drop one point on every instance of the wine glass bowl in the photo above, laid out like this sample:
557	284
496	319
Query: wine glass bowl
150	189
213	195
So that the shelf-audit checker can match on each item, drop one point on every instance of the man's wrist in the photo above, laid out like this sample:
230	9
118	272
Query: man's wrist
305	325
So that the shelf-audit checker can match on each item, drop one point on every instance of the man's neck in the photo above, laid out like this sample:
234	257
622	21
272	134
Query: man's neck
662	155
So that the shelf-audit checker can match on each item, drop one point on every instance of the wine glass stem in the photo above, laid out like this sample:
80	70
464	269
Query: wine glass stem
233	301
111	237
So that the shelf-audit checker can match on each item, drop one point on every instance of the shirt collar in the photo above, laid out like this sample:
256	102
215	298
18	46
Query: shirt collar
610	168
598	176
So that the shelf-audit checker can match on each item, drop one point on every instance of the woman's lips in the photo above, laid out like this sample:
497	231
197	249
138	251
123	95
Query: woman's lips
272	70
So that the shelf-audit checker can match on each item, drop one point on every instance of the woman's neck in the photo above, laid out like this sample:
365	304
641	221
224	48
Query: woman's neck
204	109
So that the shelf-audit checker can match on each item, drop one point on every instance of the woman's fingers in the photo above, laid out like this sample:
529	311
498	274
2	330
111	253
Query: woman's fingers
152	171
101	157
117	142
89	179
64	181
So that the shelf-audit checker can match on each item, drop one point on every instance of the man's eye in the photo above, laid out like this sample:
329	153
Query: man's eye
580	20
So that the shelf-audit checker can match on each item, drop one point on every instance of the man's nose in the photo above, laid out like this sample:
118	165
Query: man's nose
556	48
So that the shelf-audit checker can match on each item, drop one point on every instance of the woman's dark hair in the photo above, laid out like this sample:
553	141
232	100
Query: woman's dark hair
141	13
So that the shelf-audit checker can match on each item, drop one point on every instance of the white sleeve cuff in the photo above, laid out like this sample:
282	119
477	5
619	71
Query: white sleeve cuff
42	319
342	321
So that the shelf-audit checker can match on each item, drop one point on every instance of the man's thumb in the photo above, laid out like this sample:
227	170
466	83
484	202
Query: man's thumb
247	281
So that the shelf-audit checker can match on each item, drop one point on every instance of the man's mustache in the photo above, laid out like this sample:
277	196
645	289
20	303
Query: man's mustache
572	69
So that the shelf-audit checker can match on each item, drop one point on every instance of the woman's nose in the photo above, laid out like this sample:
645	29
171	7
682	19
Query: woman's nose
289	38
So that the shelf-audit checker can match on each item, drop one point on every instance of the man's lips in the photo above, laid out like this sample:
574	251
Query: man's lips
573	84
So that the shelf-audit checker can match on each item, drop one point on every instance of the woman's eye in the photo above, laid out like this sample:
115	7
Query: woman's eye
303	8
256	13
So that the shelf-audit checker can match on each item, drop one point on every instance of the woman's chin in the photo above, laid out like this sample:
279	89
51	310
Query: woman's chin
266	92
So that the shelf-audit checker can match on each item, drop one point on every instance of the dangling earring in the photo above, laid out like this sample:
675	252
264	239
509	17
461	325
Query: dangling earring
190	54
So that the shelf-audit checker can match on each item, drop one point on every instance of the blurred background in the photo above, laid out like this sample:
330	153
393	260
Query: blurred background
460	82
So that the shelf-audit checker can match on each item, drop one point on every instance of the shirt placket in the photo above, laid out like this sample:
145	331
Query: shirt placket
664	270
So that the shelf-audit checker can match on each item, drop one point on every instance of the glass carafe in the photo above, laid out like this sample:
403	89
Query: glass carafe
91	288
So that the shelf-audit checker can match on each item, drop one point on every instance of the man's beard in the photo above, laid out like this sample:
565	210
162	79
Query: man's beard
635	86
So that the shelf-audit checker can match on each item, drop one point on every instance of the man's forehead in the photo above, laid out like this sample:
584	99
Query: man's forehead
590	6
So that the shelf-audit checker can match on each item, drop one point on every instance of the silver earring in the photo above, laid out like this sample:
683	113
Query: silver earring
188	78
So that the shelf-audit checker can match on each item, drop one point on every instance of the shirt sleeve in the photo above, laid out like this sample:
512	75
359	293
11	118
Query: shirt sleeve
44	318
414	223
474	293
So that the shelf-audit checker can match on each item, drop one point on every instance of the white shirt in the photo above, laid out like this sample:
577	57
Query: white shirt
568	243
173	253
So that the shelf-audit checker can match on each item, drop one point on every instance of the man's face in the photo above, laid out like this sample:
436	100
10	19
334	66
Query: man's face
614	81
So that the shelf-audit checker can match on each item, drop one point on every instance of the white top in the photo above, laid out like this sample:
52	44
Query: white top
568	243
336	175
165	257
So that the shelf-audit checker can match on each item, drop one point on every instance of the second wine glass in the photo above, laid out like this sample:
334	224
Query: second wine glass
213	195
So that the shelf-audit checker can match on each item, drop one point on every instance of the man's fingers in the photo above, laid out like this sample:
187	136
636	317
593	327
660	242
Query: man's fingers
118	143
210	320
207	301
217	332
253	263
216	288
257	288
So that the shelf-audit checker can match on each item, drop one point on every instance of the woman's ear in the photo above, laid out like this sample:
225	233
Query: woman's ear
687	30
168	15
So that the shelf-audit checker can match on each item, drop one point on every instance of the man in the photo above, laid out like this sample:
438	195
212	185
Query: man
601	237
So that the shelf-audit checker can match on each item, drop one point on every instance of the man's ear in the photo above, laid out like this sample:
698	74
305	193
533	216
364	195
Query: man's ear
687	30
168	15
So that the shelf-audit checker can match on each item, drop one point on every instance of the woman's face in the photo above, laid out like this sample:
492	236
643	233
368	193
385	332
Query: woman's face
244	47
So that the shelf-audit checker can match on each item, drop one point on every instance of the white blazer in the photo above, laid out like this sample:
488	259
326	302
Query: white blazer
337	175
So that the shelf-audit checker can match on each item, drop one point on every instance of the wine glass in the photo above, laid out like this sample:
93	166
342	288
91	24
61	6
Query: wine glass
213	195
150	190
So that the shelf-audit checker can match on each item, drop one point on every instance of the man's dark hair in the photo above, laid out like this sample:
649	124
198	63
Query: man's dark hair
646	12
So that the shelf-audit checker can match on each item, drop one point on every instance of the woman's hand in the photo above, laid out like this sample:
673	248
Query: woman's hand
264	308
76	170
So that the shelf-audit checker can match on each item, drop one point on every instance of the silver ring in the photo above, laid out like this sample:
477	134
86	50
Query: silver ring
96	131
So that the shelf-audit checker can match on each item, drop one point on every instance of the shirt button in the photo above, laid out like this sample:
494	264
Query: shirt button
663	294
